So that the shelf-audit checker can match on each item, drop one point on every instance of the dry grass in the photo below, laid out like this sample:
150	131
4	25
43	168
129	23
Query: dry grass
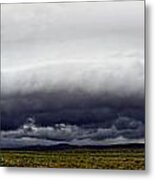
83	158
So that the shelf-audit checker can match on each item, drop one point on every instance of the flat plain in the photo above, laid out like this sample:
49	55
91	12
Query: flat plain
115	158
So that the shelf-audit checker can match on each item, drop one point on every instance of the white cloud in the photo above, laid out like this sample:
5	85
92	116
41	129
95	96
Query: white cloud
54	47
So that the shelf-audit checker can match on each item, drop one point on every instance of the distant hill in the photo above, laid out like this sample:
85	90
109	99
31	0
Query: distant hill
73	147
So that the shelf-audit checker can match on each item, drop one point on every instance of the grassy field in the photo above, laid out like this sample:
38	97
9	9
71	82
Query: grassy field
81	158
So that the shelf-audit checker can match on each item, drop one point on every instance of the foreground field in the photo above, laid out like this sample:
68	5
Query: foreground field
83	158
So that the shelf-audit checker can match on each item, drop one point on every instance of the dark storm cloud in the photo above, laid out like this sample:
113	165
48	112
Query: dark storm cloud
90	86
70	133
81	109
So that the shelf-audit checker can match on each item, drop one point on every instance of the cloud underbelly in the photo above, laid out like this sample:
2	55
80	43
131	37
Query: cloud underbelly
86	95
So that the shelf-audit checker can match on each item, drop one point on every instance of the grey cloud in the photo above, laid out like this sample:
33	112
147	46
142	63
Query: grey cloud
25	141
59	132
95	32
127	123
90	77
77	24
71	133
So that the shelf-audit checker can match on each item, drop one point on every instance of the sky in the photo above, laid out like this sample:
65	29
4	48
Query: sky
72	73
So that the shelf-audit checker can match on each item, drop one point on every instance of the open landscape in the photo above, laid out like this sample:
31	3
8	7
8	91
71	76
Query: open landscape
73	85
119	157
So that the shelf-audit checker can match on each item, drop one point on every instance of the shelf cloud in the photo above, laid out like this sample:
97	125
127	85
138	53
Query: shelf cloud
76	70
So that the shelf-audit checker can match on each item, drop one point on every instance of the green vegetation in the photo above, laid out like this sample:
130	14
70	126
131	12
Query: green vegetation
80	158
